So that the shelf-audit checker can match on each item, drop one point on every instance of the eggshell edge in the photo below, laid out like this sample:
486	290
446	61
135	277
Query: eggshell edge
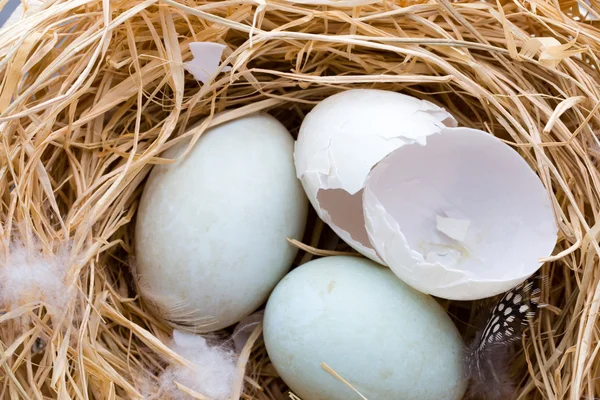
387	238
319	170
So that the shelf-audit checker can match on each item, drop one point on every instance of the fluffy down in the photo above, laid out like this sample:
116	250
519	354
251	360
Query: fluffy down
27	275
212	373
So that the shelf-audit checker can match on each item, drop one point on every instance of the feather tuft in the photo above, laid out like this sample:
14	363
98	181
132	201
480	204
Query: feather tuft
210	374
31	273
489	354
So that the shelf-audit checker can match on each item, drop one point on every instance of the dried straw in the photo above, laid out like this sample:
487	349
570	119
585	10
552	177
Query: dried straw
93	91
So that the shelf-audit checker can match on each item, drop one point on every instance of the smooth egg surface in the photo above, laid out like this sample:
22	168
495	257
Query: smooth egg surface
384	338
212	228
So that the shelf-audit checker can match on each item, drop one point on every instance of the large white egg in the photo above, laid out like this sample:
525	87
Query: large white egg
343	138
384	338
454	212
212	228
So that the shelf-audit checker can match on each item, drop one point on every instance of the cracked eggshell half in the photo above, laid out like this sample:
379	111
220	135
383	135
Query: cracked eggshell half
341	140
463	217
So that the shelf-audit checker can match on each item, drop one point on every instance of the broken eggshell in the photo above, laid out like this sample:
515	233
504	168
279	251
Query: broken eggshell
462	217
341	140
206	61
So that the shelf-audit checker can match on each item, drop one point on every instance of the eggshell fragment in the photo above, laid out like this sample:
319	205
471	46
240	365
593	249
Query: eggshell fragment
461	217
341	140
453	227
207	57
384	338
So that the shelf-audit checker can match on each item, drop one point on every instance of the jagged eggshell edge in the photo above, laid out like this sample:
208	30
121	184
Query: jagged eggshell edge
391	244
348	133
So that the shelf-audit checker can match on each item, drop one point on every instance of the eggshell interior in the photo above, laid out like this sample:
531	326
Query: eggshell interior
462	217
341	140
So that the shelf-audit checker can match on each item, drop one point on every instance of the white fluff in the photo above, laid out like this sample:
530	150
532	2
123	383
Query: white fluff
27	275
213	369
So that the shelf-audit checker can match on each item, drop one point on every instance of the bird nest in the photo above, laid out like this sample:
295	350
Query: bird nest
93	91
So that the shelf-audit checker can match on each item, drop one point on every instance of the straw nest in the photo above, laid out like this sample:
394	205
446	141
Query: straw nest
93	91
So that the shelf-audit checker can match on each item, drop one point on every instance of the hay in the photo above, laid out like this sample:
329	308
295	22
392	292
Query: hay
93	91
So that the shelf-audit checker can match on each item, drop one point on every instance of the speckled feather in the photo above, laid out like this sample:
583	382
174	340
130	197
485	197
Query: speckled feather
511	315
488	356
